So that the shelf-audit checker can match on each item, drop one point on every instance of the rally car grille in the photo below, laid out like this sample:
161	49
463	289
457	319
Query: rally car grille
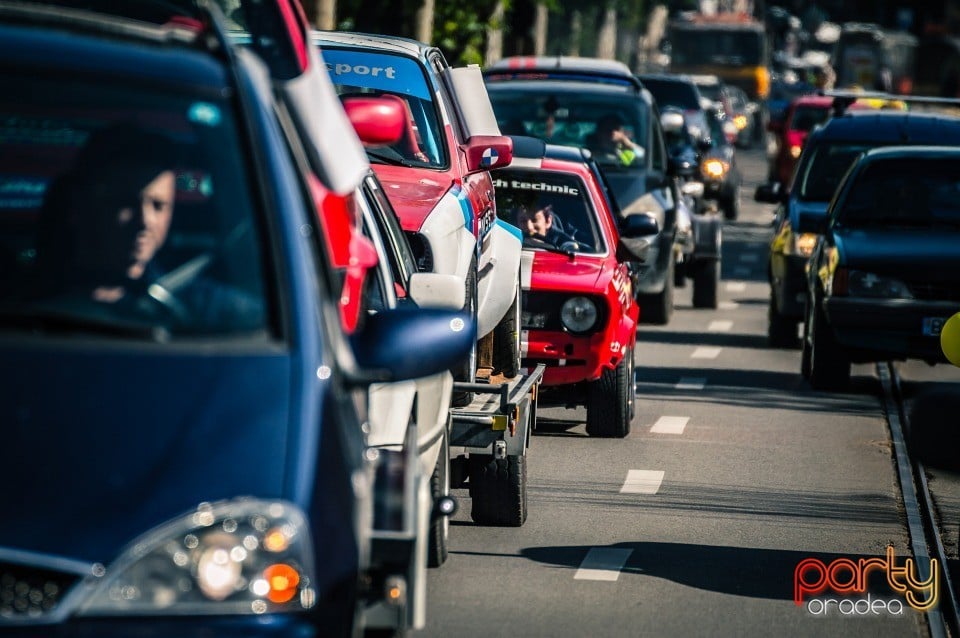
935	291
29	592
541	311
421	251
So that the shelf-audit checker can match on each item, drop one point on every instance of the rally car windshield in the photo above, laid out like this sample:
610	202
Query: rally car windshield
125	212
904	193
374	73
552	210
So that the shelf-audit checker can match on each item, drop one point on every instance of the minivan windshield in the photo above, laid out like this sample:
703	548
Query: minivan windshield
125	211
820	174
571	118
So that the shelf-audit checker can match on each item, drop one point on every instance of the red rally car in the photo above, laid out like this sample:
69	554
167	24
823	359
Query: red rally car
578	312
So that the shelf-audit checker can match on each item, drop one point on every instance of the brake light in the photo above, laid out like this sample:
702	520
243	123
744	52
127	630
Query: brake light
762	77
841	281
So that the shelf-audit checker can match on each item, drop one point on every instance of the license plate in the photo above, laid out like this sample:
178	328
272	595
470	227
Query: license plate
933	325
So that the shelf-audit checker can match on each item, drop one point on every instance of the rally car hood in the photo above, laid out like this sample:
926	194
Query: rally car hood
925	254
554	271
102	445
414	193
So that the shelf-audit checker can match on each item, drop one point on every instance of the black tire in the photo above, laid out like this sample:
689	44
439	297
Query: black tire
608	401
657	309
467	371
439	526
632	378
731	205
498	489
781	331
829	364
680	273
506	341
706	283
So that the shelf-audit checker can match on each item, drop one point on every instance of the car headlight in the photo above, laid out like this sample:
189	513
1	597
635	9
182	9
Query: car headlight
795	150
867	284
740	121
803	244
233	557
714	168
578	314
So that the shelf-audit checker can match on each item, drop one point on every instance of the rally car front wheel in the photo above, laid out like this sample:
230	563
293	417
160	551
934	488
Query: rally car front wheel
506	341
609	400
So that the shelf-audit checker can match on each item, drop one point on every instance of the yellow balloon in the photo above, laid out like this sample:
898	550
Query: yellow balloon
950	339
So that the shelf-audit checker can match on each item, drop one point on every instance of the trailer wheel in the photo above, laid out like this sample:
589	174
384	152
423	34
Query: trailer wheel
706	280
498	488
506	341
608	400
439	525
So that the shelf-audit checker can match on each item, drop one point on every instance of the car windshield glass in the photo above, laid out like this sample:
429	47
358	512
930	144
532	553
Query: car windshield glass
367	73
552	210
724	46
806	117
126	211
673	93
821	173
586	120
904	192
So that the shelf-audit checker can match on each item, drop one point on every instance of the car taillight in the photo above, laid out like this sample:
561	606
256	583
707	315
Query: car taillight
841	281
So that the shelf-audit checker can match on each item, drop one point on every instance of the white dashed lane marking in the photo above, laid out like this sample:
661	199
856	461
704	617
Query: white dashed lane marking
642	482
670	425
741	271
706	353
719	326
749	258
603	563
728	305
691	383
736	286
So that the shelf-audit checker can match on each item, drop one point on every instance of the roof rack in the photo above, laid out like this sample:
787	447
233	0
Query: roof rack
843	99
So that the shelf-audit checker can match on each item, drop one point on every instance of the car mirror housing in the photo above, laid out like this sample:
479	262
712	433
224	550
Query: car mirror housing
637	233
408	343
437	290
769	193
487	152
378	121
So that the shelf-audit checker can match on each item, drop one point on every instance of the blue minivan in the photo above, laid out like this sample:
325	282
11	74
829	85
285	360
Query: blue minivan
184	450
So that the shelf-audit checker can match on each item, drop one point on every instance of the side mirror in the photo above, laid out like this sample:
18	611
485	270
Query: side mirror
811	222
637	233
378	121
487	152
768	193
409	343
437	290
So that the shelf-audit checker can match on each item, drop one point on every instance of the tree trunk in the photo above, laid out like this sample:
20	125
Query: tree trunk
540	30
576	32
326	12
494	48
607	42
424	22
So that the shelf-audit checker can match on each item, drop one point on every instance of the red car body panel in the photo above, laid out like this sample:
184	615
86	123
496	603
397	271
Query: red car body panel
784	162
572	358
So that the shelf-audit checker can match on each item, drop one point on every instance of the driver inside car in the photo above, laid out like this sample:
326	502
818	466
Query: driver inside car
104	223
542	224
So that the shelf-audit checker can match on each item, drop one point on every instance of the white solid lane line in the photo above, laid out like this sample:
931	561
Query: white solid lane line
670	425
706	353
642	482
691	383
603	563
719	326
736	286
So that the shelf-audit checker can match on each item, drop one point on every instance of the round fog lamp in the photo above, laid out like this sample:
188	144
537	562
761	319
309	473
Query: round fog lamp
578	314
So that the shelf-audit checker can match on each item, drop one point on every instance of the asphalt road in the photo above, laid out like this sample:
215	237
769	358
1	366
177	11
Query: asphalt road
693	525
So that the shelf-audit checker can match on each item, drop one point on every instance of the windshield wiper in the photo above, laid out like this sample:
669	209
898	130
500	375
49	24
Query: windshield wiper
381	158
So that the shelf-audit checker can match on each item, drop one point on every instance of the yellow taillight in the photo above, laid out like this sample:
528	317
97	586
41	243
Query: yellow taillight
762	77
795	151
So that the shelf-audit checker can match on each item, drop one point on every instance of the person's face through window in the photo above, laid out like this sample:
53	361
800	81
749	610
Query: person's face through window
536	223
132	232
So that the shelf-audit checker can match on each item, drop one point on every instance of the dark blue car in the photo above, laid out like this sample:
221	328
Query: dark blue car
183	447
885	273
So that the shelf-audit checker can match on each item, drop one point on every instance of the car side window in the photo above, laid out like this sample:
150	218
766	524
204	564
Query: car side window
659	153
400	255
